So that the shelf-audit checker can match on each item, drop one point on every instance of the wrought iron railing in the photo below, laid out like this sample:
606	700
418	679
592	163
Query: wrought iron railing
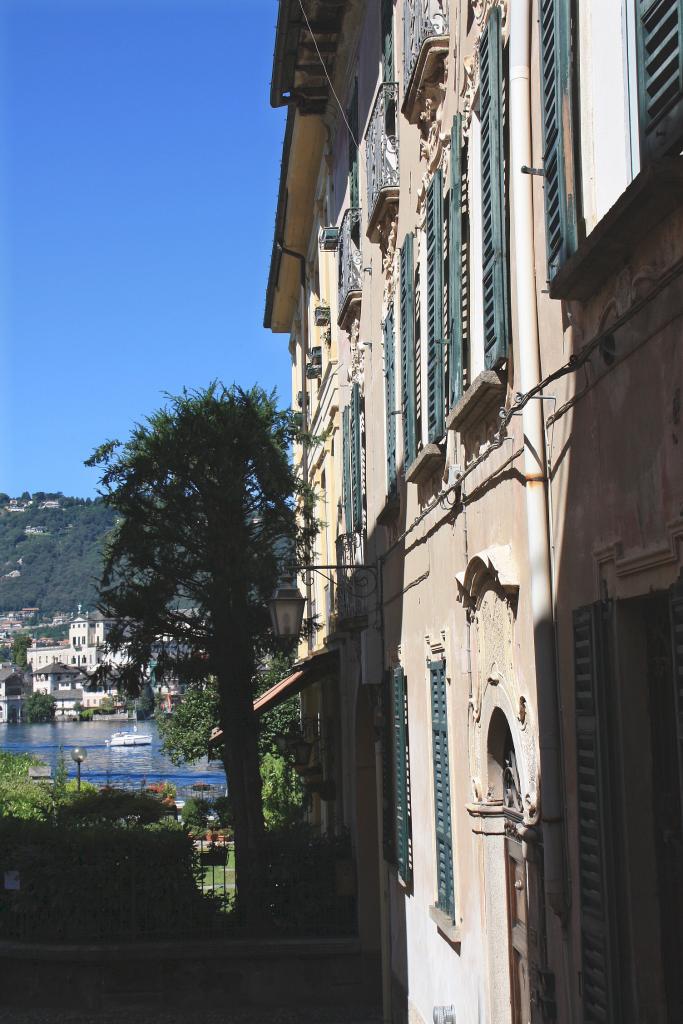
356	584
421	19
381	145
349	256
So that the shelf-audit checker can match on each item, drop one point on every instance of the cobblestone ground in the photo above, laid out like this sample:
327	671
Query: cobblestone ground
144	1015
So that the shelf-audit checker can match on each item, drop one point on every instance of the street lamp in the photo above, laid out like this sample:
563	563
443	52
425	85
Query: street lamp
79	755
287	611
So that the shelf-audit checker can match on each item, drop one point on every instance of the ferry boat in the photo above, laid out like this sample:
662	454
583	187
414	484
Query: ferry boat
129	739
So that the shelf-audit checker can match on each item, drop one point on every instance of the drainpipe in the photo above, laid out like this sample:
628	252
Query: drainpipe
528	358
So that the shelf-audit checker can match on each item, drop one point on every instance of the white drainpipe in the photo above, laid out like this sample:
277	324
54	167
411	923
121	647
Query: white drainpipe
528	360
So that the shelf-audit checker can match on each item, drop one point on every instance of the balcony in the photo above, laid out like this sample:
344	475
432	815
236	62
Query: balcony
355	591
425	46
381	156
349	255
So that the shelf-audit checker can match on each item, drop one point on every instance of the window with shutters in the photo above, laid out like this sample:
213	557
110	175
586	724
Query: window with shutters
457	269
408	367
387	29
404	853
445	900
352	118
493	204
594	799
356	439
388	781
659	35
390	399
346	469
435	319
558	145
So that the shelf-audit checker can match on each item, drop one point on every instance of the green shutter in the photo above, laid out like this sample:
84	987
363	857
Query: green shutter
558	155
390	397
594	800
388	760
455	267
442	789
677	645
346	468
435	338
494	255
352	118
387	40
408	352
356	460
402	776
659	31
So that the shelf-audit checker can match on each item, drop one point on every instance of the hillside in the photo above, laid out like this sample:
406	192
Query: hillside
58	560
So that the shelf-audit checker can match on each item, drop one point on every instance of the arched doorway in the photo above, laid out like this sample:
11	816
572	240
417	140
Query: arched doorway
504	790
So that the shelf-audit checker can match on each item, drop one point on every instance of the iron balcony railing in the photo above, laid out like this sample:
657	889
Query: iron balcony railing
356	584
381	145
421	20
349	257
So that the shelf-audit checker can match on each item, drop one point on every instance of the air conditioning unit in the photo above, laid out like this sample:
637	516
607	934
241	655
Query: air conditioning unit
322	316
328	239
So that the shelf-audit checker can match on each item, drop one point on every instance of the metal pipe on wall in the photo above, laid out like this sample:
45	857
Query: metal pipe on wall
535	471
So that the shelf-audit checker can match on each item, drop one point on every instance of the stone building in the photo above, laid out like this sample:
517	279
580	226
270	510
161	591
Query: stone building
477	258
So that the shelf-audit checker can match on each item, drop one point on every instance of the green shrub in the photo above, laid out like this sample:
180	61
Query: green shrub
115	807
222	806
282	792
195	814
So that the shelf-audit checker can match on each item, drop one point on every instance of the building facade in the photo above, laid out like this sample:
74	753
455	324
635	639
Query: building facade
86	648
477	258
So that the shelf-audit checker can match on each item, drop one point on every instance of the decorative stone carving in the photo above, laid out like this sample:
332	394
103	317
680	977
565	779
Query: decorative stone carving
390	263
482	9
357	365
431	122
494	629
470	84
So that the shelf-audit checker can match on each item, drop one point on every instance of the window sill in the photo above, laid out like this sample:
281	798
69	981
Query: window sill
486	392
656	192
446	926
425	466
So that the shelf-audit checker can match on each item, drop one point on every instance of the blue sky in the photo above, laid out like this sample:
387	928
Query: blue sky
139	161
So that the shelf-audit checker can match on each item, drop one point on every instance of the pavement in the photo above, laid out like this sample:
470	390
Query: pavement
145	1015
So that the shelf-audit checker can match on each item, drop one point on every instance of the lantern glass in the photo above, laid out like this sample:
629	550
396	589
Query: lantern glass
79	754
287	611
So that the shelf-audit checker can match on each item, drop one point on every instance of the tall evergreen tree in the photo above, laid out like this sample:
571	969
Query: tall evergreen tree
205	491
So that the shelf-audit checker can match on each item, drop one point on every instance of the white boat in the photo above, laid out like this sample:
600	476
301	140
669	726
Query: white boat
129	739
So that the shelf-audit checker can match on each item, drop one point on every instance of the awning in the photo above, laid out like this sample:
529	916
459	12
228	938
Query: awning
304	674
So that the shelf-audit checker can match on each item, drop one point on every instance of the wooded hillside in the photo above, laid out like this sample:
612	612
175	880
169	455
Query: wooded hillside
58	568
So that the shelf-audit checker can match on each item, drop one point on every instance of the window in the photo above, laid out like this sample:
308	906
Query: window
404	853
352	464
388	334
435	332
494	225
458	276
442	789
409	404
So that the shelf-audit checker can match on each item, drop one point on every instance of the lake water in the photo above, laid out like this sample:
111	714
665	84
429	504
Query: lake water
116	766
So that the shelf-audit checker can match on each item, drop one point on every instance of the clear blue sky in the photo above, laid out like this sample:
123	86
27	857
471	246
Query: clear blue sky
139	162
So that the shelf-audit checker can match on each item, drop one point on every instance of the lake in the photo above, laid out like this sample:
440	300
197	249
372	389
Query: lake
117	766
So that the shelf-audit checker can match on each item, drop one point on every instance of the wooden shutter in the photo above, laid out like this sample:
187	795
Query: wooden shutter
659	32
455	267
408	352
390	398
442	789
677	646
494	256
594	802
346	468
356	460
402	776
387	40
558	156
388	760
435	339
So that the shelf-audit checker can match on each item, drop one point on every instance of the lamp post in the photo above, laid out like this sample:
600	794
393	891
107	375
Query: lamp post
79	755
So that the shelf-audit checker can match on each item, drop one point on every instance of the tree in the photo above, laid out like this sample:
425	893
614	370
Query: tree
39	707
205	495
185	732
20	646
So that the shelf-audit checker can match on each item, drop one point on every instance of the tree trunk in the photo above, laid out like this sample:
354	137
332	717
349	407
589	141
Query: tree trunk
240	731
